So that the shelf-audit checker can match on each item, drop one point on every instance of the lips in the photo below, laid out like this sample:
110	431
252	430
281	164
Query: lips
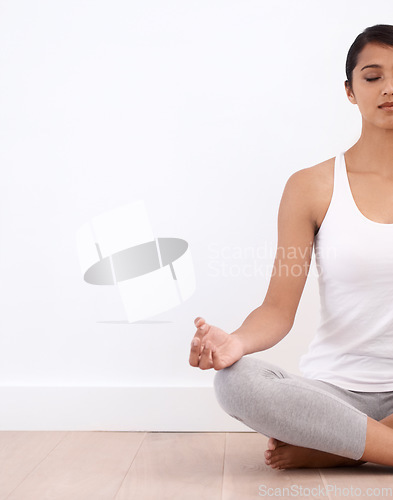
386	105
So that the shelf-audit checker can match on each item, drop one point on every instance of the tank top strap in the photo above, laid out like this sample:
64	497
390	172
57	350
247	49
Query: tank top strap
341	189
340	204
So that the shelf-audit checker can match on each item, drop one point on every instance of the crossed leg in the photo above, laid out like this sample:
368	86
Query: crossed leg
280	455
276	403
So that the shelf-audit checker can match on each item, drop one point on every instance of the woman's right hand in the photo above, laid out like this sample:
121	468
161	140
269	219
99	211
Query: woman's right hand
212	347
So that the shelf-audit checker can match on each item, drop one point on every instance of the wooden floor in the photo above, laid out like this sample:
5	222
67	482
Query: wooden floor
174	466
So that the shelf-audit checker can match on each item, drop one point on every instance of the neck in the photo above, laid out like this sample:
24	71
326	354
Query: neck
374	150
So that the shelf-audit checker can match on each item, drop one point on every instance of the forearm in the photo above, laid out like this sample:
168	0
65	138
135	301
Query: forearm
263	328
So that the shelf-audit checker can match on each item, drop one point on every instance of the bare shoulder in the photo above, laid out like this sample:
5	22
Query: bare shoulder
314	186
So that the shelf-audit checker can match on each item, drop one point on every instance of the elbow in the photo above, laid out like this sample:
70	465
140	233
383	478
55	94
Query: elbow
286	317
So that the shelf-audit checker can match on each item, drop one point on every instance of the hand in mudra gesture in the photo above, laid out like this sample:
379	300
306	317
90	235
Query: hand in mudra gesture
214	348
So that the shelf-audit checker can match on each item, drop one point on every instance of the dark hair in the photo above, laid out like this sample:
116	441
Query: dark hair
380	33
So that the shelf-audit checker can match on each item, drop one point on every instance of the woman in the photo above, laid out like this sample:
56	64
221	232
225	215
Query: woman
340	411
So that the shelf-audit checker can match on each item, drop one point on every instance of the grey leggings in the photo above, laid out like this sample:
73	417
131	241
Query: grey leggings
297	410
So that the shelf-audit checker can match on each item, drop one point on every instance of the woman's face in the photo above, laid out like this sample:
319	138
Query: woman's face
373	86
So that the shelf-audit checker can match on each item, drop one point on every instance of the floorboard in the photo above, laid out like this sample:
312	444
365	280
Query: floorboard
52	465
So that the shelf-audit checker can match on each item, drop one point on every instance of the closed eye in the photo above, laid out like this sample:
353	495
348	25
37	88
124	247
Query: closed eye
372	79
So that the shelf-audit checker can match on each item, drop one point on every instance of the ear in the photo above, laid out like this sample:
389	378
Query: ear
349	92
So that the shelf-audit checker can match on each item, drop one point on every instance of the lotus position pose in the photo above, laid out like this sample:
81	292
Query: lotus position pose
339	412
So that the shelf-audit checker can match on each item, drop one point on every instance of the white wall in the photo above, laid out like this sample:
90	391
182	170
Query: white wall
202	109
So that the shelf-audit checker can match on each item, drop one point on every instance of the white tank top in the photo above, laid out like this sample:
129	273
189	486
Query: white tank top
353	345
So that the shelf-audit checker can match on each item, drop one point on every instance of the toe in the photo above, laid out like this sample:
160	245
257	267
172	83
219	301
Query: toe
272	443
279	465
274	460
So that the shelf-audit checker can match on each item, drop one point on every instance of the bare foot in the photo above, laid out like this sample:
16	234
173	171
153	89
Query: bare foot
280	455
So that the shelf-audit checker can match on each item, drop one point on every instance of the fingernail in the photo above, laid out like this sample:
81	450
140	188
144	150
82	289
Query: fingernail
195	342
202	327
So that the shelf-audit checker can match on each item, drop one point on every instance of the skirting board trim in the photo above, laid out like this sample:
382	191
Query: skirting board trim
161	409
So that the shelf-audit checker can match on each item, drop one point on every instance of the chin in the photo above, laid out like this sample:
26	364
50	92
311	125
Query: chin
387	127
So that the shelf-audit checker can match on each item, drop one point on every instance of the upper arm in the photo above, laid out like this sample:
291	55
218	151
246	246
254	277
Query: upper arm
296	230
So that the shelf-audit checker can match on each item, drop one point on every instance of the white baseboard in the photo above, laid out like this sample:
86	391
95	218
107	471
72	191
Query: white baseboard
171	409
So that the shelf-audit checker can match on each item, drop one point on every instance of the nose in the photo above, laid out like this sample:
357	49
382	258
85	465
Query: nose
388	88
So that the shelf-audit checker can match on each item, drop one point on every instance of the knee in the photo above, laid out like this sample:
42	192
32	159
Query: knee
230	384
250	380
242	373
